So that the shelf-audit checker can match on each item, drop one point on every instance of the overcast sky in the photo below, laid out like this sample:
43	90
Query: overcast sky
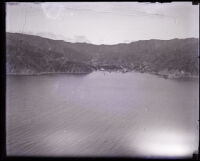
104	22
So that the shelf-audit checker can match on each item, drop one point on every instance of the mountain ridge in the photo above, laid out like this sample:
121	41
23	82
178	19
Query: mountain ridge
26	34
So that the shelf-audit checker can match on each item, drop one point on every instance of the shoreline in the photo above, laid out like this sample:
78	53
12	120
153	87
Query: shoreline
165	76
45	73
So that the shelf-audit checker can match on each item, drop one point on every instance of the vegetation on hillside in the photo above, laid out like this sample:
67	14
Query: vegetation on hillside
28	54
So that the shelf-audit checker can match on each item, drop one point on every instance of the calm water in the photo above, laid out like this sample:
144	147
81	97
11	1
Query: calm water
101	114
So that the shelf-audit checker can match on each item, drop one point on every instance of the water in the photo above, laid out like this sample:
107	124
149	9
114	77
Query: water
101	114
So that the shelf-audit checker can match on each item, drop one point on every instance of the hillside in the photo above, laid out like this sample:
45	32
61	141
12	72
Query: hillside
28	54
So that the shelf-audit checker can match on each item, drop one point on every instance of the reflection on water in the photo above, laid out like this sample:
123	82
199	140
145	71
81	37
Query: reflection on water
164	143
101	114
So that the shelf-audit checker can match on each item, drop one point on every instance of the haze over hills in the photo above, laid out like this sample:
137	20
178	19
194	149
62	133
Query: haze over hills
28	54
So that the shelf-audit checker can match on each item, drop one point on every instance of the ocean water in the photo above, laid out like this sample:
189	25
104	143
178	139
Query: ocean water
101	114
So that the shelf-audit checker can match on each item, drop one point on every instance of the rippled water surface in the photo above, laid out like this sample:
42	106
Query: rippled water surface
101	114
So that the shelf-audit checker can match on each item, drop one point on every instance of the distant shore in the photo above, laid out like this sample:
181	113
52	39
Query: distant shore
176	76
166	76
47	73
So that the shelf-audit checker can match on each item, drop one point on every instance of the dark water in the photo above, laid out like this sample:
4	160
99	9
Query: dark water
101	114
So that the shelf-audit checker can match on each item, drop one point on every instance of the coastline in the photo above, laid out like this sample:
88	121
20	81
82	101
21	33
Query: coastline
46	73
162	75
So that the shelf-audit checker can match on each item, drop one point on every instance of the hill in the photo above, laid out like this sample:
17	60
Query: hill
28	54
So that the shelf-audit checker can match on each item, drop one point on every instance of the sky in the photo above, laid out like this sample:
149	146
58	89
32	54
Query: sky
104	22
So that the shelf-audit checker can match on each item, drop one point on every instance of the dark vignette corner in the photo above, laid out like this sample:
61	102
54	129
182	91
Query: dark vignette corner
3	82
